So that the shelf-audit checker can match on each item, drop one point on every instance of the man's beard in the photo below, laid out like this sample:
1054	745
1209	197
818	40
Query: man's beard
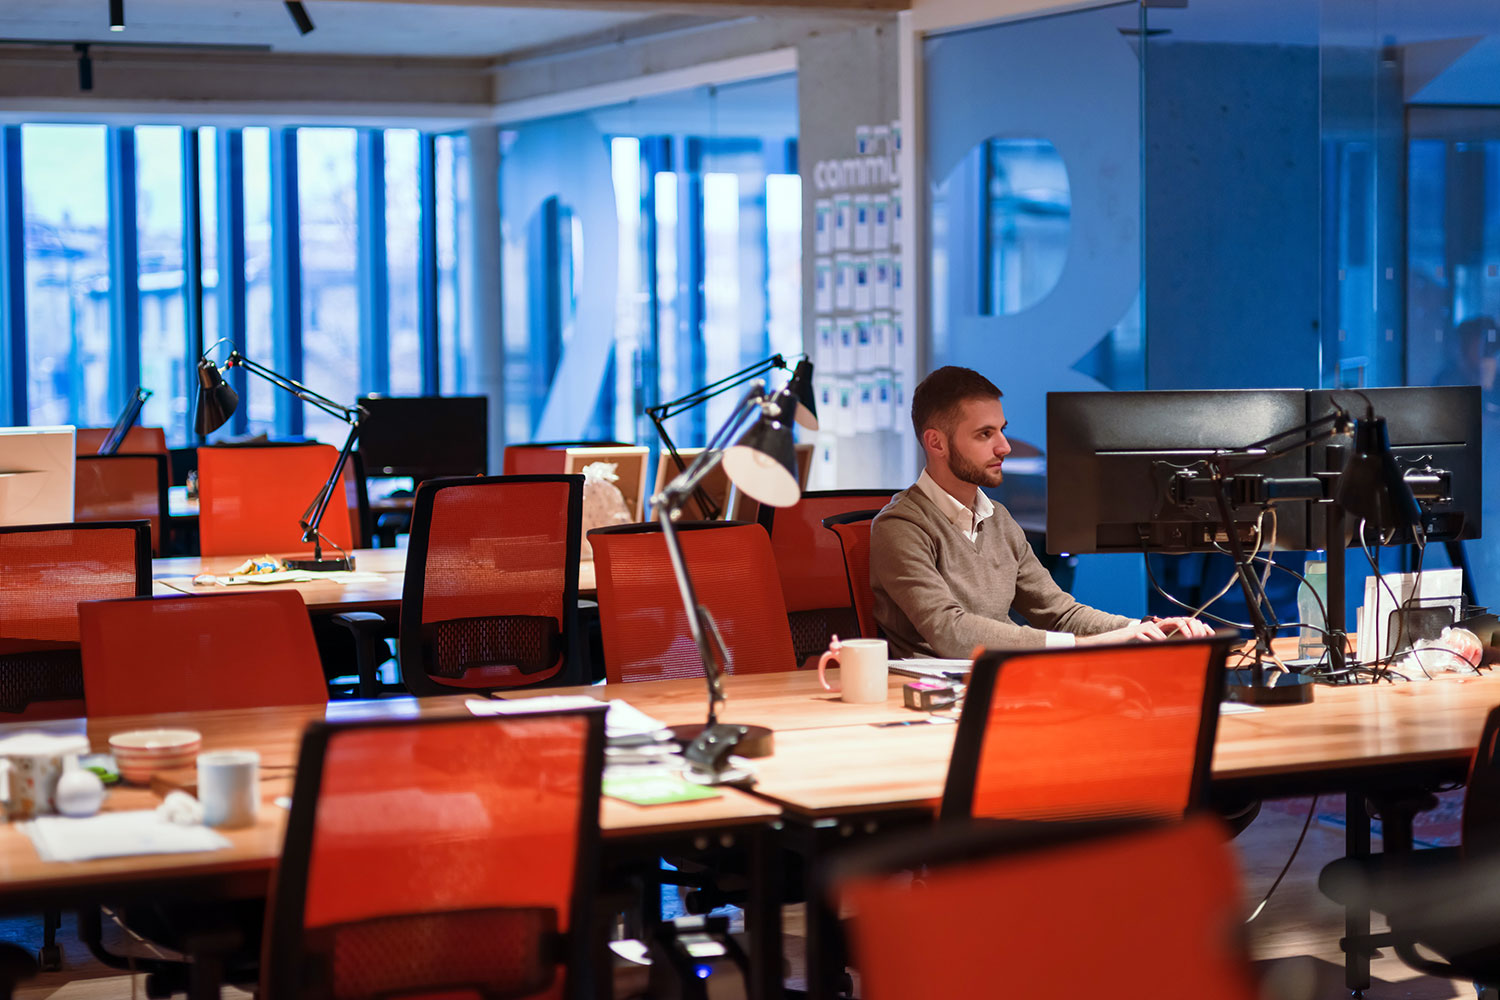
969	472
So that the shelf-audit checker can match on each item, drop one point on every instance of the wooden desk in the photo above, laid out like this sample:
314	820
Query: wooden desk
243	869
176	575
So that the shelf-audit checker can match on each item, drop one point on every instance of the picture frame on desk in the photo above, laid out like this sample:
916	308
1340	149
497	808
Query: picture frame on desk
630	468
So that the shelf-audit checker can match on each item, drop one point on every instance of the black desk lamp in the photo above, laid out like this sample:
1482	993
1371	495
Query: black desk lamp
800	387
1370	486
217	402
762	463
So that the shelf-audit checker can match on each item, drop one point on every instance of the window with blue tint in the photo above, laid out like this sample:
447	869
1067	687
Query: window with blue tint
330	280
451	172
158	154
208	218
402	217
1026	211
66	223
260	399
648	249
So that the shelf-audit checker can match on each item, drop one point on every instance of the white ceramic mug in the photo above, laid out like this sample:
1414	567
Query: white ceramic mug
863	668
229	787
30	764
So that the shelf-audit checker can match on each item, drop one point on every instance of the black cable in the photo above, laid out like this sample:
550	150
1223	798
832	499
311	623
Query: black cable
1186	607
1311	810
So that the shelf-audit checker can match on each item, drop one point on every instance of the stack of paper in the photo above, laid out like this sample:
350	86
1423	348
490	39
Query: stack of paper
116	835
1385	596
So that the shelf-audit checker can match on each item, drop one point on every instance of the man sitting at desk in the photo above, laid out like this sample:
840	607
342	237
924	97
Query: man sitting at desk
948	564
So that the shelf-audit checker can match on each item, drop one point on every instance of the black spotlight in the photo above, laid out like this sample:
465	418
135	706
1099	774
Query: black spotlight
299	14
85	68
116	15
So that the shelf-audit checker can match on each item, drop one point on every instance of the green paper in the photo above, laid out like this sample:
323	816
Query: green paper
656	789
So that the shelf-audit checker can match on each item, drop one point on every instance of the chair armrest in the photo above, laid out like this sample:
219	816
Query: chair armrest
366	623
370	632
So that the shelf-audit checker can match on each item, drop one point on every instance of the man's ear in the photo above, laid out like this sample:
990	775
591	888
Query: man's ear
934	442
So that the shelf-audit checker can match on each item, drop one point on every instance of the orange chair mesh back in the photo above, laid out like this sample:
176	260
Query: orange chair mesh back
45	574
854	539
808	559
188	654
119	488
644	627
497	549
250	499
138	441
524	460
1099	731
1153	913
444	817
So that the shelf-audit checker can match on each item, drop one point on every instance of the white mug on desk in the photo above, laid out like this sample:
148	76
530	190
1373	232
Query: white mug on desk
229	787
863	668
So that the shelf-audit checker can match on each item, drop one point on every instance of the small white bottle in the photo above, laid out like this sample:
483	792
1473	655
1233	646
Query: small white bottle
79	790
1310	640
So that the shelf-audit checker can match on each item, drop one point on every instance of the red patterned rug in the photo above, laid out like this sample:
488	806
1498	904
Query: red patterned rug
1437	827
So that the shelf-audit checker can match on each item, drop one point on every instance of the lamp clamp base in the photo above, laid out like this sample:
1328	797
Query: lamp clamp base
333	564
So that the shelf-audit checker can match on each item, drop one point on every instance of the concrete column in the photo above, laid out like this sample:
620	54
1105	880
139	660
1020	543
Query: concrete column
479	281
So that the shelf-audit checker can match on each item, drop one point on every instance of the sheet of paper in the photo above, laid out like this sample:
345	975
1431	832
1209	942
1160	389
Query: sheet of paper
864	343
843	221
863	284
862	222
880	222
823	225
843	282
823	285
882	282
116	835
623	718
655	789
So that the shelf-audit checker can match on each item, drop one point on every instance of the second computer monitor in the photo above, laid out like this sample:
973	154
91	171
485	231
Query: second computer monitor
424	436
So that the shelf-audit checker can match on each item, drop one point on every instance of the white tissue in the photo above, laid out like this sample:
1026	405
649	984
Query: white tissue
181	808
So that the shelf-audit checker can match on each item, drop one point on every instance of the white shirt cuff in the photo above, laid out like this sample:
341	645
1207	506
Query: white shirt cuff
1061	639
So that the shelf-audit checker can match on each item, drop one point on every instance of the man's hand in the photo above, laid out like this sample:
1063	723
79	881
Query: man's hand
1150	630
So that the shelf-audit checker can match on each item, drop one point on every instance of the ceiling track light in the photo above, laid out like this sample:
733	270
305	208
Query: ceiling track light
116	15
85	68
299	15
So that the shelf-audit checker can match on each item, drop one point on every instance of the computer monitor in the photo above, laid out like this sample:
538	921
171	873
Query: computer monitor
127	419
1430	427
1111	457
424	436
36	475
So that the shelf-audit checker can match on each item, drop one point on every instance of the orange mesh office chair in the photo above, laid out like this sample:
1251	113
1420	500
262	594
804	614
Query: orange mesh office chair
1089	731
251	497
853	531
122	487
442	856
1034	909
138	441
45	571
810	562
644	628
490	599
186	654
543	458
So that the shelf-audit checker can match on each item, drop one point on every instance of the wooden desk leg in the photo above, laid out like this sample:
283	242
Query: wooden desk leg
1356	918
763	916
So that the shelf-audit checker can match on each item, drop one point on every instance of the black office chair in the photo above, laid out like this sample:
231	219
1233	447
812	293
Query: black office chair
1440	898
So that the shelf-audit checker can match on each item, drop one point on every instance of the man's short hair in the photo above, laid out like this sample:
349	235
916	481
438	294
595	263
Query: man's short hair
938	397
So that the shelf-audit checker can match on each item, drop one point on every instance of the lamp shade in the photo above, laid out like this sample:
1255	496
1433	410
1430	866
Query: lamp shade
1371	486
763	462
801	388
217	400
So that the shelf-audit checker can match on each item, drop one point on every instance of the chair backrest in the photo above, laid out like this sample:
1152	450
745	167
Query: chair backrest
191	654
1041	910
45	571
543	458
138	441
1088	731
250	498
630	467
1481	817
810	560
439	856
641	619
490	598
853	532
122	487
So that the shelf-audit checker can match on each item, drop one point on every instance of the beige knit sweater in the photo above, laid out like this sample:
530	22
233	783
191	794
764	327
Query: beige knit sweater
938	594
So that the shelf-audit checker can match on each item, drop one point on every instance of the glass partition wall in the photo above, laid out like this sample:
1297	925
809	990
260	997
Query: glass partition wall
1215	195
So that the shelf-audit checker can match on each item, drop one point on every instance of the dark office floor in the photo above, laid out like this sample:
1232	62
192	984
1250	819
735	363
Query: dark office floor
1296	937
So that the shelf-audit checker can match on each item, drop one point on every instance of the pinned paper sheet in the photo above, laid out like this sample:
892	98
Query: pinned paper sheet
823	225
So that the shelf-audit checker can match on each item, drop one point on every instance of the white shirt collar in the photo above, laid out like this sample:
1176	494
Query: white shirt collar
963	518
